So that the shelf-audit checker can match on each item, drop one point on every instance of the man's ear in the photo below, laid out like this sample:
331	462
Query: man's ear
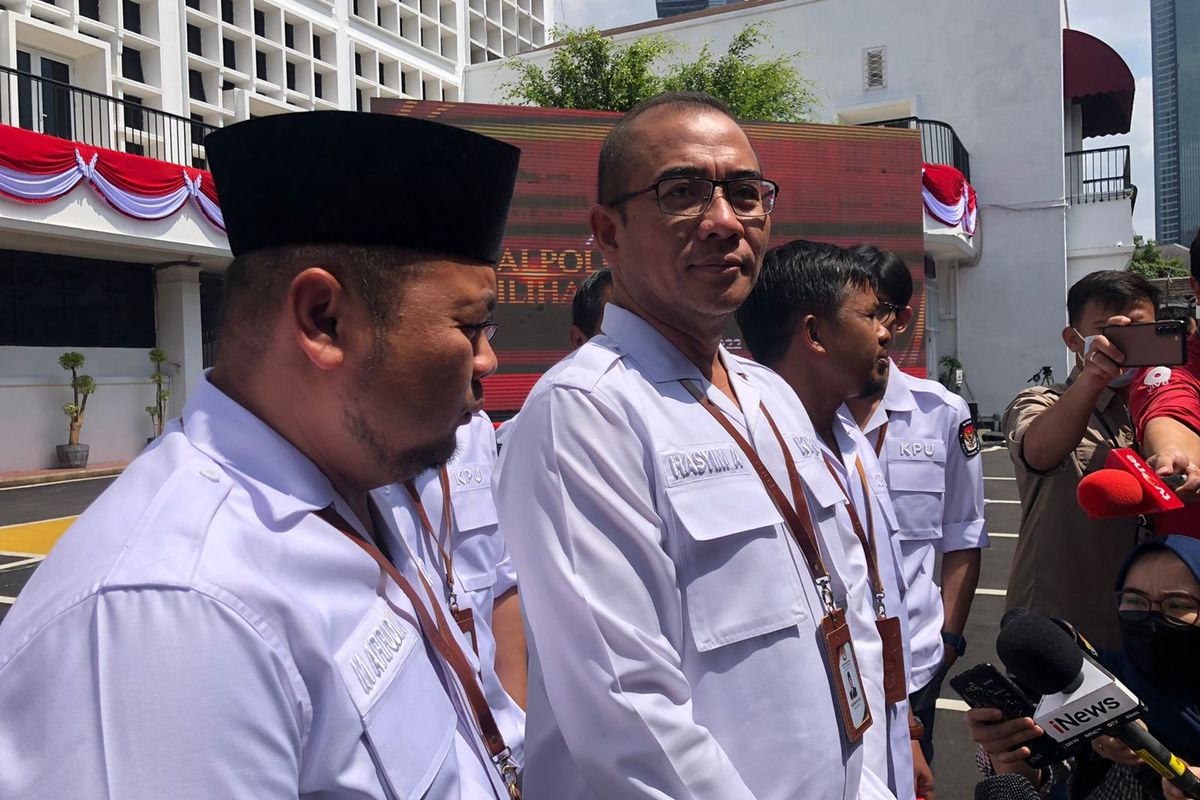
809	331
316	306
903	319
604	222
577	337
1071	340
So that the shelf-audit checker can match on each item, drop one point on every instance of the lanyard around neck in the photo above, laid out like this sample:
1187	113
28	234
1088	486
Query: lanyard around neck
447	550
865	537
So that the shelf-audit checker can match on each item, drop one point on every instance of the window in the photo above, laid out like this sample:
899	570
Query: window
193	40
260	23
196	86
90	9
59	301
227	11
289	35
134	116
875	68
318	85
290	75
135	148
358	105
382	72
131	64
358	64
229	52
133	16
316	47
193	4
260	65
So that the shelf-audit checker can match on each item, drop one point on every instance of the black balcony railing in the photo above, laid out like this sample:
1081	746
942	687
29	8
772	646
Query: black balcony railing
1095	176
939	143
81	115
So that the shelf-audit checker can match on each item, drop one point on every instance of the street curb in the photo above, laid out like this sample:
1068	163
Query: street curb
38	477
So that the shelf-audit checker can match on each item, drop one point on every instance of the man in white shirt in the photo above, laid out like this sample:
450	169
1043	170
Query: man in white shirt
465	557
675	603
813	317
220	623
929	448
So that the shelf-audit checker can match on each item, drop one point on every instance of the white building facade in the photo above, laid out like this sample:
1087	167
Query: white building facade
1006	93
151	78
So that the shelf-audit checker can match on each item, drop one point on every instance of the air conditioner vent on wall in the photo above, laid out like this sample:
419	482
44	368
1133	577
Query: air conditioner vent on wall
875	68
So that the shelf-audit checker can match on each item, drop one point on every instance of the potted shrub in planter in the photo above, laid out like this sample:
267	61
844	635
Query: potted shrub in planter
158	411
74	454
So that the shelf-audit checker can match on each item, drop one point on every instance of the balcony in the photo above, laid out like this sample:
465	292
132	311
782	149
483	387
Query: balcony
69	112
1100	198
939	143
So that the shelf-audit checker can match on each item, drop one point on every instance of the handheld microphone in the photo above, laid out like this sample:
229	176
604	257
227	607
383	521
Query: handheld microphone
1081	700
1087	647
1005	787
1126	487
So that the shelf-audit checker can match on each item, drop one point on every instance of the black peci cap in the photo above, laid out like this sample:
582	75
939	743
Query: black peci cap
345	177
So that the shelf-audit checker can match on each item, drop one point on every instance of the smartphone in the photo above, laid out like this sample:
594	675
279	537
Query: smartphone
984	686
1150	344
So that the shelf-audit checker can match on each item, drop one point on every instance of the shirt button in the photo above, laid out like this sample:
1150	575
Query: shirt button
212	473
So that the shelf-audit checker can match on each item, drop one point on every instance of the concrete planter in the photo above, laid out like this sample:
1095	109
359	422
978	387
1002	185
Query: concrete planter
72	456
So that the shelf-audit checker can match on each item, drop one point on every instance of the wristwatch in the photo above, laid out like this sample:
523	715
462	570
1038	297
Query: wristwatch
957	642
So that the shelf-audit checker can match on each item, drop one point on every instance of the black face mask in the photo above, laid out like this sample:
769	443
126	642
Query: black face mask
1166	653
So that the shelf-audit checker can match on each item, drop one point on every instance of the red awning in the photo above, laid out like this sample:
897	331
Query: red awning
1097	78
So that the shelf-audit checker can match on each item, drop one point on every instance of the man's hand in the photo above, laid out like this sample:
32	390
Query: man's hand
1173	793
1003	740
1174	461
1115	750
1102	362
922	772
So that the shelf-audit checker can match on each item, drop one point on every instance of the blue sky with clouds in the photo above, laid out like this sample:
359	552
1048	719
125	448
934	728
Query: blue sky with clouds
1123	24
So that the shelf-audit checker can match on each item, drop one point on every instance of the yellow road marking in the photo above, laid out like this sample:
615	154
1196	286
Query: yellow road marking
35	538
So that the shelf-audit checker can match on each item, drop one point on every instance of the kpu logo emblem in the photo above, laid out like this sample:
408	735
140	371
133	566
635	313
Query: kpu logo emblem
968	438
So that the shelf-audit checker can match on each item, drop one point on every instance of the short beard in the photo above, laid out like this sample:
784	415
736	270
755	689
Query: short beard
873	387
398	465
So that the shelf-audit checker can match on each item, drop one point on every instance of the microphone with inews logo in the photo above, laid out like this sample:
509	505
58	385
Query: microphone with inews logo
1126	487
1080	699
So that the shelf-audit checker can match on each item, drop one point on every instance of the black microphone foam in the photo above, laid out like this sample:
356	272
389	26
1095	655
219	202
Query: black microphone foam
1040	654
1005	787
1013	613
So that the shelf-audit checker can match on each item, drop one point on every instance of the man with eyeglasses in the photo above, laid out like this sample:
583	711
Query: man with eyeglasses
928	446
681	557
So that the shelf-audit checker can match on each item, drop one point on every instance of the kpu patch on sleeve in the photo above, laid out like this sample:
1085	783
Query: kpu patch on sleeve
968	438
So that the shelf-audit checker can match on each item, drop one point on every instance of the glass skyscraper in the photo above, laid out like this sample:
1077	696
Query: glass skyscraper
670	8
1175	29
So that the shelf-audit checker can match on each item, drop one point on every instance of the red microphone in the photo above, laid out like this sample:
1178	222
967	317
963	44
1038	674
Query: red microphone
1126	487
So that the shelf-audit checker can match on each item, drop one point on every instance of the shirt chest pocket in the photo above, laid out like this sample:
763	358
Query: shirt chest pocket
917	485
477	548
407	718
738	577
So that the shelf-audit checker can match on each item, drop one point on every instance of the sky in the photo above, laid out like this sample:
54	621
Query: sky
1123	24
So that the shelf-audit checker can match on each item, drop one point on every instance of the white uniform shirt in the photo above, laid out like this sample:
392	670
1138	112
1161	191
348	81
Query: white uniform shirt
672	620
199	633
483	570
894	737
937	493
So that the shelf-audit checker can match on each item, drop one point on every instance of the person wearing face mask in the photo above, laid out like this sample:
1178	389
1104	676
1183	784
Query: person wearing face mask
1064	563
1158	612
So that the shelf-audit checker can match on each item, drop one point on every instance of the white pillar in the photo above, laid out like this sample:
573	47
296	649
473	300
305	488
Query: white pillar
178	313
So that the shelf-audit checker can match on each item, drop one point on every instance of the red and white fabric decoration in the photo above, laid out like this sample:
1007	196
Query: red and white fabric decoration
36	168
948	197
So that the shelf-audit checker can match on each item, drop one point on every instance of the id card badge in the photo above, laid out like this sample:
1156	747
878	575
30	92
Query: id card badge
465	620
847	682
895	687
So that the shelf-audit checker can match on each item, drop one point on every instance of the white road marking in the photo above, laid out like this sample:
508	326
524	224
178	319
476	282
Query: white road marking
7	600
36	522
25	562
1004	535
993	448
56	483
950	704
997	478
986	501
992	592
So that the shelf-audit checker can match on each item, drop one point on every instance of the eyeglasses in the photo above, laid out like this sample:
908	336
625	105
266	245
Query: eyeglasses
1178	608
886	312
691	197
487	329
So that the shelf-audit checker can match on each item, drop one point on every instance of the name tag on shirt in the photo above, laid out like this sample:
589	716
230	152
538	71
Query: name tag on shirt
804	447
373	655
464	477
933	450
701	462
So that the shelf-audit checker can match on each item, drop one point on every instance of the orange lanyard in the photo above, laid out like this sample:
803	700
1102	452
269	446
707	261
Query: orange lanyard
867	537
446	551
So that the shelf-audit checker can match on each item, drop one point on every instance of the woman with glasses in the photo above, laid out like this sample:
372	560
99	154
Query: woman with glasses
1158	605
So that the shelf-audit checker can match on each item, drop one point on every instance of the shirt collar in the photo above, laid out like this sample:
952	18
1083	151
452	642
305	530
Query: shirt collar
897	396
659	360
276	473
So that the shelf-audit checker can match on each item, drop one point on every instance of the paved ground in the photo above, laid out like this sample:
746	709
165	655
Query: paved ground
32	518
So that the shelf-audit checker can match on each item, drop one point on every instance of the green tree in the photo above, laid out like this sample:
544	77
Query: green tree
590	71
754	86
1149	262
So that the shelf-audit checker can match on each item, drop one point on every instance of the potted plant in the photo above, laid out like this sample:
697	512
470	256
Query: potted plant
73	454
158	411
